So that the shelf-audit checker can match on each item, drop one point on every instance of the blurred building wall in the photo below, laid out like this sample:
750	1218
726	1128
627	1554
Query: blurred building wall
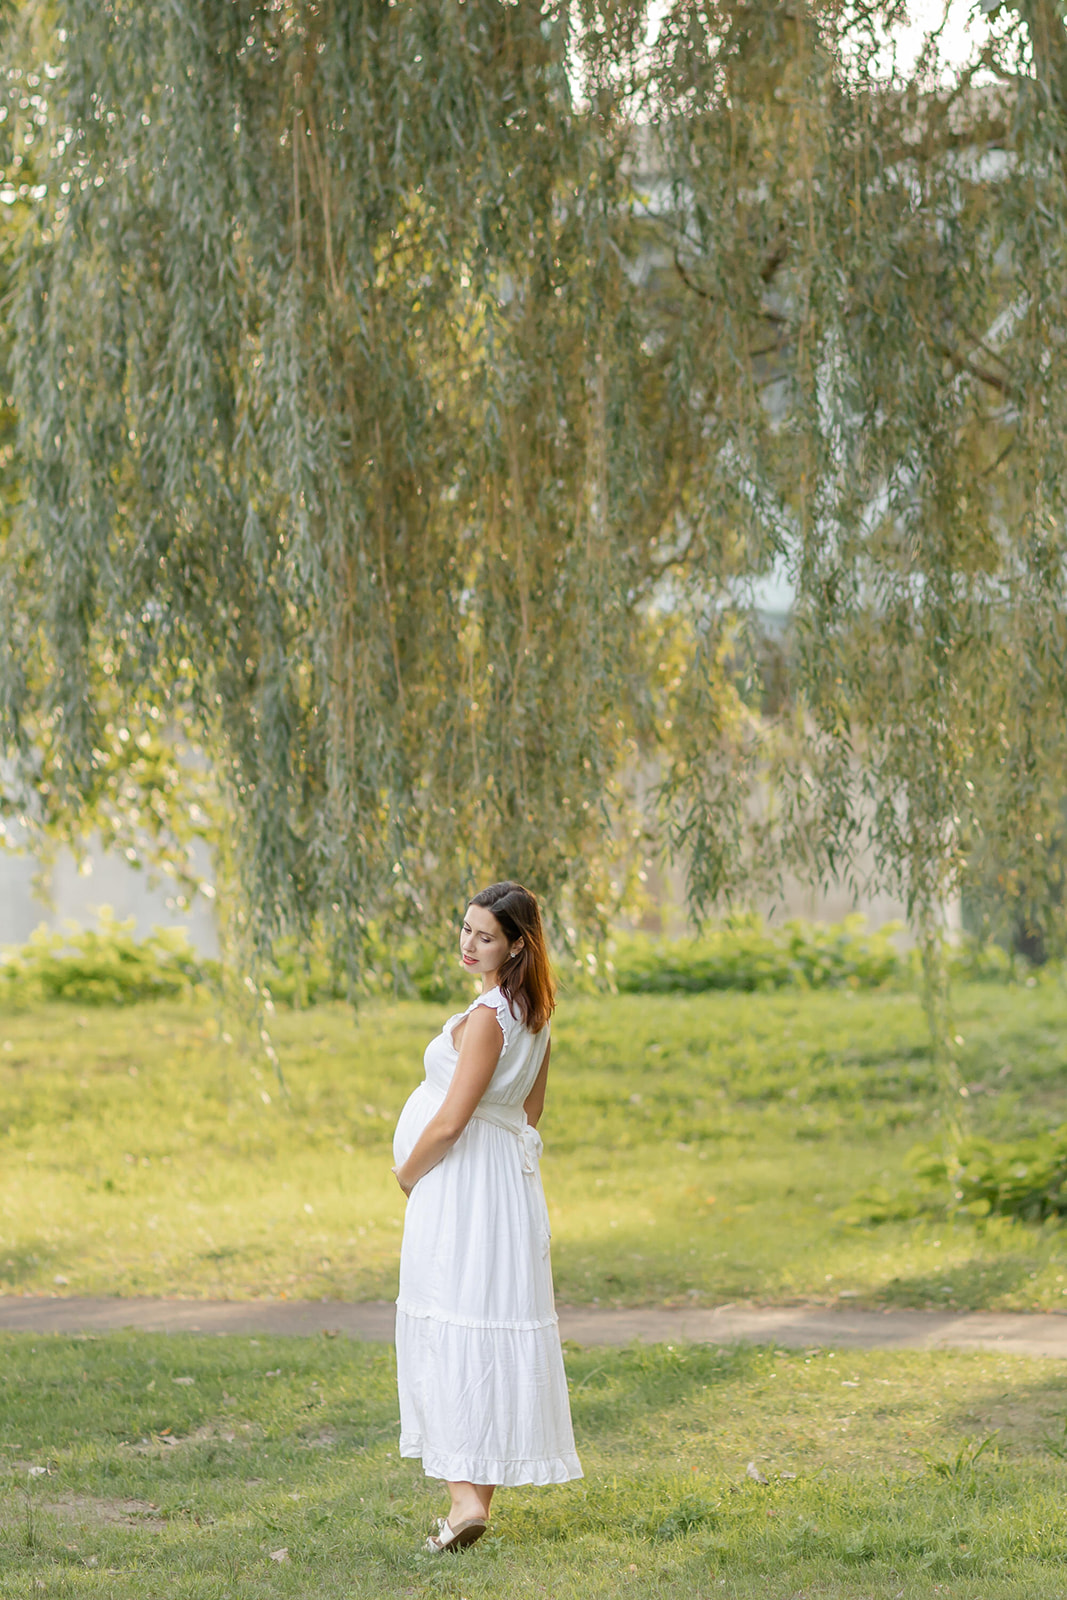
77	895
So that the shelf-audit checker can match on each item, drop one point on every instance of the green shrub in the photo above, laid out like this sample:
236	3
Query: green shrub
413	968
881	1204
744	953
1026	1178
971	961
108	965
100	966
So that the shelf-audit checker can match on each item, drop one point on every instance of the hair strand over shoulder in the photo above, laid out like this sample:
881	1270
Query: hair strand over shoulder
526	977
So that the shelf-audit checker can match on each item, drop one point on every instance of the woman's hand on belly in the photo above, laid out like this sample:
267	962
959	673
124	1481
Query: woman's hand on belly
407	1187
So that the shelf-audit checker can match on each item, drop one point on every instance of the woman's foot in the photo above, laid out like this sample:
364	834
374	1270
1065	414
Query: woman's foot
455	1535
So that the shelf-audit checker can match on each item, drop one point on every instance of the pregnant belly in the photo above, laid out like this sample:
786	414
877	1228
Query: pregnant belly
418	1109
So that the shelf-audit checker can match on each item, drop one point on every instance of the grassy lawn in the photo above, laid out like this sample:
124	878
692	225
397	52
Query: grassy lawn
696	1147
140	1466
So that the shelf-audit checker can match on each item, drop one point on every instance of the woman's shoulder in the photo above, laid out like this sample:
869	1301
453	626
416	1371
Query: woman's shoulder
512	1020
507	1012
496	999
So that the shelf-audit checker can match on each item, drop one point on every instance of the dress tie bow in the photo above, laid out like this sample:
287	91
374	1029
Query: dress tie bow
532	1148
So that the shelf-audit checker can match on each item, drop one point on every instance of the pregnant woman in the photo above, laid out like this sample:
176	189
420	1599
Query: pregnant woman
483	1394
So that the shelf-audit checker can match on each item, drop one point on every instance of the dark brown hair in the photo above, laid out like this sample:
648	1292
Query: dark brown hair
525	978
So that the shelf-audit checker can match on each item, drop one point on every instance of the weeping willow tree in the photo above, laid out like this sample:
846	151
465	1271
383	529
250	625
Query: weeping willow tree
901	250
341	435
408	393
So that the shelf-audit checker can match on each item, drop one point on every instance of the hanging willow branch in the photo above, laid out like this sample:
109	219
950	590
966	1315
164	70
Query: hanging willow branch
901	438
407	390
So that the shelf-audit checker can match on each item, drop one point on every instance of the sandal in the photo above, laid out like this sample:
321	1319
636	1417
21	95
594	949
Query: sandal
449	1538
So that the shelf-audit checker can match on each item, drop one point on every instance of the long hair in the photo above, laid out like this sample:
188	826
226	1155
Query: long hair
525	978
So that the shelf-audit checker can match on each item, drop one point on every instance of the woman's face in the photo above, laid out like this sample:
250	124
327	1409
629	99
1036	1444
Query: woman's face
483	944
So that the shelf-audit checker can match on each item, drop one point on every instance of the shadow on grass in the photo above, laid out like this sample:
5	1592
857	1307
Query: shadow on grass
612	1389
1028	1418
34	1258
971	1285
231	1452
696	1258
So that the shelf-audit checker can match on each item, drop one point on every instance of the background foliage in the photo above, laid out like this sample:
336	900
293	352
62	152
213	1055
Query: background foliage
110	966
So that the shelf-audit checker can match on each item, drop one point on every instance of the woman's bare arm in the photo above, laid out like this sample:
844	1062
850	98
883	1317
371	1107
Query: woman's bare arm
534	1103
479	1052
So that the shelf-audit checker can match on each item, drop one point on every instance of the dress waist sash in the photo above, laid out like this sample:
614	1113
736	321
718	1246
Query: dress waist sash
511	1118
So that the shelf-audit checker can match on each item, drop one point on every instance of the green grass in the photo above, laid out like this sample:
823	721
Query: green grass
877	1488
697	1148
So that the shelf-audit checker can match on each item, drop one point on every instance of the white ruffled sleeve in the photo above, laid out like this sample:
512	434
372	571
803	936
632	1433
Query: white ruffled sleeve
496	1001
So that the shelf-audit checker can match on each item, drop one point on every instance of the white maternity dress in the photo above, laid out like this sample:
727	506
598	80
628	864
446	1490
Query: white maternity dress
483	1394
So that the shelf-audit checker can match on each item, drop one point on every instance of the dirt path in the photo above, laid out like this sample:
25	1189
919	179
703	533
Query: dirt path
797	1327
